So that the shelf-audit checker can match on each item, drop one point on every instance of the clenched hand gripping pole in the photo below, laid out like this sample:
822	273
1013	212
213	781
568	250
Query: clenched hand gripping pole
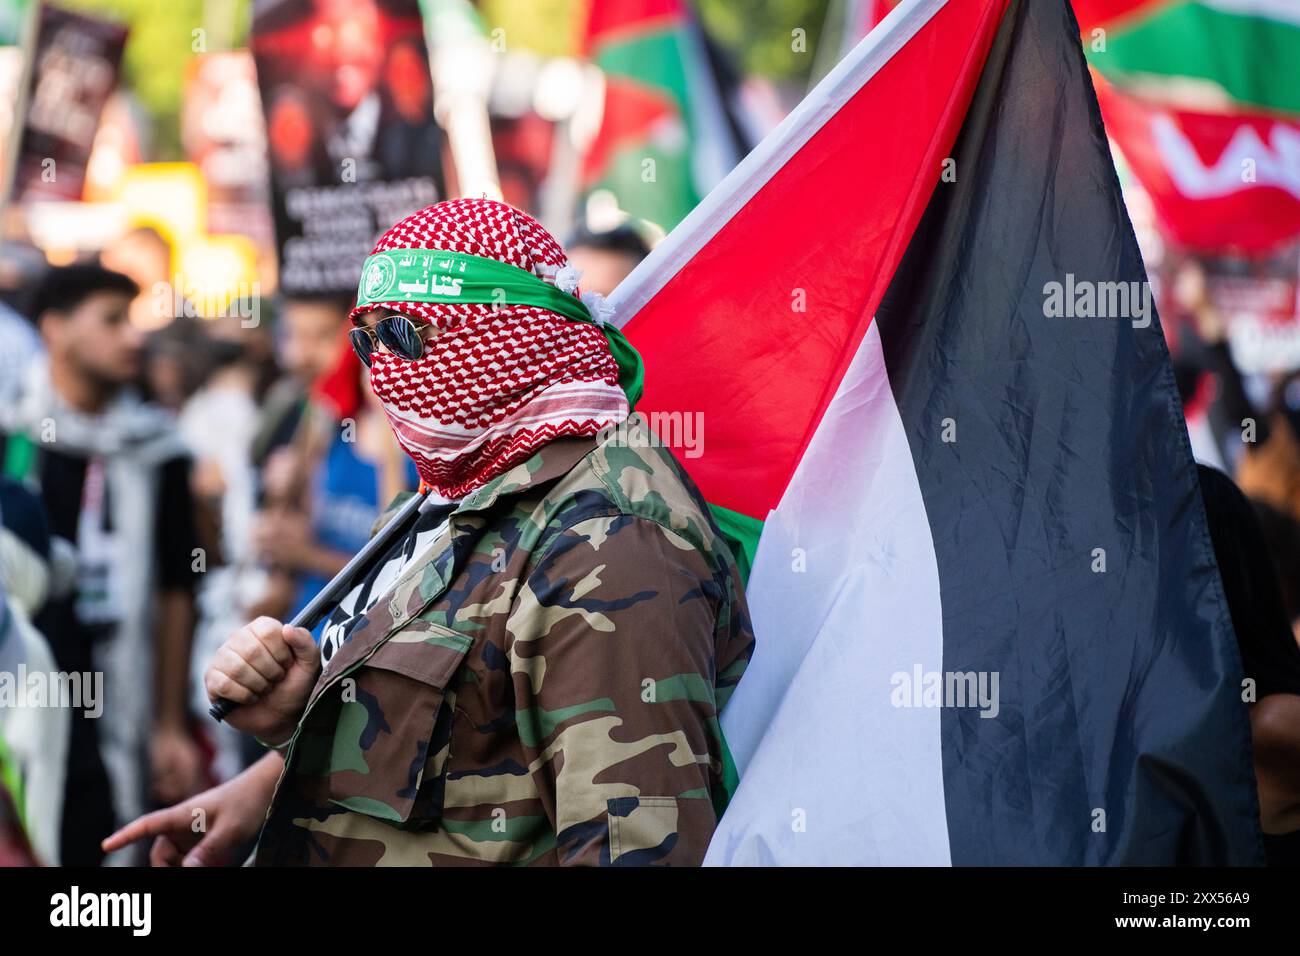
353	572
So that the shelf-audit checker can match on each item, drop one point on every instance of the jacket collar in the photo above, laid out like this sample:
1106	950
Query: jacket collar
551	461
428	575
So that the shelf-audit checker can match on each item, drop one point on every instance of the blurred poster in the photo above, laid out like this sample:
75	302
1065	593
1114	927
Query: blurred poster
221	124
224	136
348	100
523	146
75	64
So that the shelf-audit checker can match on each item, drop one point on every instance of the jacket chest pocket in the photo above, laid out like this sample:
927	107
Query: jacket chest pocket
376	741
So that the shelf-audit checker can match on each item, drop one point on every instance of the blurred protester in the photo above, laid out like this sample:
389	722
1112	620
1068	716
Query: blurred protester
1258	443
309	331
1211	389
113	475
177	359
21	266
1270	658
291	439
34	731
606	258
218	423
349	465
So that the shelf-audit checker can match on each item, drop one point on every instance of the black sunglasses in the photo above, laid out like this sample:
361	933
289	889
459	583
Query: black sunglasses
400	334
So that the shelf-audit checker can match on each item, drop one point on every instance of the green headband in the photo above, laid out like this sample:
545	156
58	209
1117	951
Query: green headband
437	275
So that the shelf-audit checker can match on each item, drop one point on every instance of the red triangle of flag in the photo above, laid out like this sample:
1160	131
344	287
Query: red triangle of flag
748	314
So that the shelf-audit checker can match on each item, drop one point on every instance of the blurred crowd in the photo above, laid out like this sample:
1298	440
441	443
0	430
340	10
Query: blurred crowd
1245	435
1245	425
158	490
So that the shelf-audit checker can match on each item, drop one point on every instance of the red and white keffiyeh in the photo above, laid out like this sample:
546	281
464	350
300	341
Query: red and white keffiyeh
499	382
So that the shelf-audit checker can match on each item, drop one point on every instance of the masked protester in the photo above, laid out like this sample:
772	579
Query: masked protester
534	674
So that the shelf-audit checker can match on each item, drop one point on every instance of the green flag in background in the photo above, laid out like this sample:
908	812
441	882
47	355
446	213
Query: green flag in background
1243	52
13	16
665	138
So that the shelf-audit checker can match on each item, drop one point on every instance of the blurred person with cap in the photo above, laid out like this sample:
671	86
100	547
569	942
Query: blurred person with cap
113	476
533	673
293	529
34	731
308	331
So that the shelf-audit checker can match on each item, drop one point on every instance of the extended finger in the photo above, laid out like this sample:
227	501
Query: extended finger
151	824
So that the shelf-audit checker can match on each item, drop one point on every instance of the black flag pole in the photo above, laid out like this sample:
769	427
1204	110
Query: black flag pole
343	582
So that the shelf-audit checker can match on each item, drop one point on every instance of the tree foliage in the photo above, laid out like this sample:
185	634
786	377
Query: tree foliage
761	34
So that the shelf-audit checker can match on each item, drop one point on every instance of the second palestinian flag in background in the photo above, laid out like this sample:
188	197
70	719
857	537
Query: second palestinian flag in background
930	393
666	136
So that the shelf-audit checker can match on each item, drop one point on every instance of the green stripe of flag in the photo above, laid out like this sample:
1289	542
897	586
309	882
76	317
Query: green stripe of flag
742	533
1255	60
654	58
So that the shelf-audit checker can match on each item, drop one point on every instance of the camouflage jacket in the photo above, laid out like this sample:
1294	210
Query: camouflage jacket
542	686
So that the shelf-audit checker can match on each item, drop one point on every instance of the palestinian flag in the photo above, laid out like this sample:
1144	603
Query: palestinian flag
1203	100
666	134
990	625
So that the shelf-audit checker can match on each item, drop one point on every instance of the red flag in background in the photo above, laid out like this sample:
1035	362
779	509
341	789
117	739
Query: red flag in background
1217	180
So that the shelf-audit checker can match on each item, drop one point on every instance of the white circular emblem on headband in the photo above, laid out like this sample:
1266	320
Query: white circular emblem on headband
378	277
